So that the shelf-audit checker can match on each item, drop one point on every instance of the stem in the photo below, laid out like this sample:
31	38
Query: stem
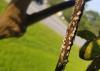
70	34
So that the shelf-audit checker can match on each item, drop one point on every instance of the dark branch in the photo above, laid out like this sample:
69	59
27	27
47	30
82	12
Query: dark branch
16	20
95	65
49	11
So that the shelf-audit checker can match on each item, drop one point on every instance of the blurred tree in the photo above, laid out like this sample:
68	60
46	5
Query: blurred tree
90	21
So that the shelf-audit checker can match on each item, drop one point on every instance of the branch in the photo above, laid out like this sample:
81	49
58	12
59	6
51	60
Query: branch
95	65
70	34
50	11
16	21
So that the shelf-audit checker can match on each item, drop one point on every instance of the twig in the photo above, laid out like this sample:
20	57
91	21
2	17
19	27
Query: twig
70	34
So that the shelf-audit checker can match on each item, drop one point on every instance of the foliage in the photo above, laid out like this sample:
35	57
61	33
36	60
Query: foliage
86	23
91	24
89	21
67	13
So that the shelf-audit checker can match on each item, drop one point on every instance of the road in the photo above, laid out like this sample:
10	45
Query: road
53	22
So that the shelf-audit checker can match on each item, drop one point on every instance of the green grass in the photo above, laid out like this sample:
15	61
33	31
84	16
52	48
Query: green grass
53	2
37	50
2	5
75	63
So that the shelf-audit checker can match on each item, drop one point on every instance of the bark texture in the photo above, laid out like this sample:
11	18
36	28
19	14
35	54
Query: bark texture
70	34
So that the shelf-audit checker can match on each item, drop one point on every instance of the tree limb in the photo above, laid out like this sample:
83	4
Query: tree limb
50	11
14	21
70	34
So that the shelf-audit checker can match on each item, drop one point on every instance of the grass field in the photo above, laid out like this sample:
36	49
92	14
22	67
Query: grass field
37	50
2	5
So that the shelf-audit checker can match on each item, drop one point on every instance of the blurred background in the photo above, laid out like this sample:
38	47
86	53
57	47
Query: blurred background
39	48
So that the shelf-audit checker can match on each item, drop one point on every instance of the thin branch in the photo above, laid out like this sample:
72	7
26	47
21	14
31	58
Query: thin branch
95	65
70	34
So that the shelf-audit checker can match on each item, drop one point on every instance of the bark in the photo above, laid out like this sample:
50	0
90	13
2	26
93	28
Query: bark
70	35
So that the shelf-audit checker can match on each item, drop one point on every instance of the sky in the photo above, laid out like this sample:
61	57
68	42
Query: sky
94	5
